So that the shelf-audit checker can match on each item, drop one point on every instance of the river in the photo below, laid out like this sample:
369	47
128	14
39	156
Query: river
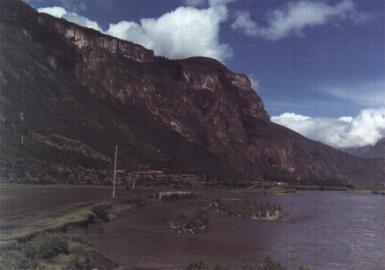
322	230
328	231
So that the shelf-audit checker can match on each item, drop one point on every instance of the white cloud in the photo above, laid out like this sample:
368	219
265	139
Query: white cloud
181	33
295	18
125	29
245	23
195	3
255	84
365	129
371	94
184	32
70	5
60	12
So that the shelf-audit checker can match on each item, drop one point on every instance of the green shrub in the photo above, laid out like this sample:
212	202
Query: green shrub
45	246
101	214
198	222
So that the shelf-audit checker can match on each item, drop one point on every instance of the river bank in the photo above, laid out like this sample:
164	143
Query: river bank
322	230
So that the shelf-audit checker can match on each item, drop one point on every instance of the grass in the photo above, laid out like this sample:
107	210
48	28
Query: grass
84	216
58	243
45	246
77	217
48	251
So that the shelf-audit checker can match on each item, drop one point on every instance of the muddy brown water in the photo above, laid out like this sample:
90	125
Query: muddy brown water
323	230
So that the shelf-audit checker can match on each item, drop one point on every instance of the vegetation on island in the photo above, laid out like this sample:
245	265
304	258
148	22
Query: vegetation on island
245	208
194	223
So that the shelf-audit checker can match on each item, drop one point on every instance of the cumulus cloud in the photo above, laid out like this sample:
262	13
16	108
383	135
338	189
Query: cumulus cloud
184	32
70	5
295	18
365	129
61	12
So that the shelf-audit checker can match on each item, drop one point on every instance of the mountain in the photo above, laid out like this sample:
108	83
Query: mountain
369	151
70	94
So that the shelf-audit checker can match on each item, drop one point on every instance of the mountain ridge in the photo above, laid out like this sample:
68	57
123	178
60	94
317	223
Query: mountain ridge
186	116
369	151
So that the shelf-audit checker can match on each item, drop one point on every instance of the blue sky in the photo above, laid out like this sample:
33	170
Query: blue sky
320	59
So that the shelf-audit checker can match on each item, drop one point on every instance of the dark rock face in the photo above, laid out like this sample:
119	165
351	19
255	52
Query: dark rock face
69	94
375	151
378	150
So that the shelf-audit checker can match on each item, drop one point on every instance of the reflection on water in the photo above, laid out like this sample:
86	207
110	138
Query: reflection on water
327	231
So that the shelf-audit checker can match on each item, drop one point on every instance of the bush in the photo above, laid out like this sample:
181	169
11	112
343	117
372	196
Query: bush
45	246
198	222
101	214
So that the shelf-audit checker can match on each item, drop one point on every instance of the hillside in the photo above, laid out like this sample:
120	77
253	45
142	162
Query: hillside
69	94
369	151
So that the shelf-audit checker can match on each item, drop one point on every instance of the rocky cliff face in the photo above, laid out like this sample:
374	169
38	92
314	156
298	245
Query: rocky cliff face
68	94
369	151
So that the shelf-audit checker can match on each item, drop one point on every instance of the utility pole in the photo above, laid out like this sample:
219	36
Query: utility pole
114	173
21	116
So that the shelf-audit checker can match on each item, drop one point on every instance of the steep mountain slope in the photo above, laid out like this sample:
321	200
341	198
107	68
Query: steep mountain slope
375	151
378	149
69	94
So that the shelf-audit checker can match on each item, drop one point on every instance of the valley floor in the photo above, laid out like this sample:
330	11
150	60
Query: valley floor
323	230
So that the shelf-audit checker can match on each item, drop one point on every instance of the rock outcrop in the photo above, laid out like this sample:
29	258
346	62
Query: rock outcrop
81	92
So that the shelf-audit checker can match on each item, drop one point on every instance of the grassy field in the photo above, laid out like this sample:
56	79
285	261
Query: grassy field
60	242
46	227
